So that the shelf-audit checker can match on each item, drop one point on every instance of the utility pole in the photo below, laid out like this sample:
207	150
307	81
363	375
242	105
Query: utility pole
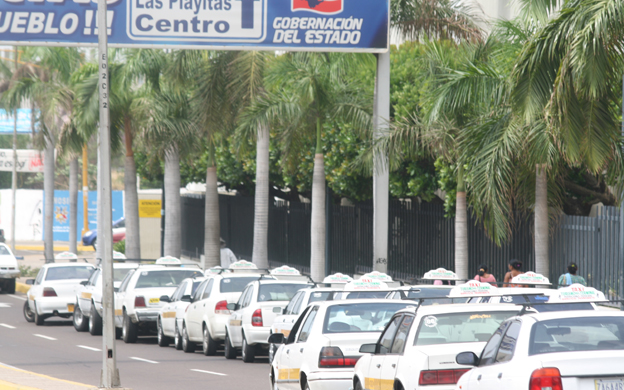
85	189
381	175
14	176
110	374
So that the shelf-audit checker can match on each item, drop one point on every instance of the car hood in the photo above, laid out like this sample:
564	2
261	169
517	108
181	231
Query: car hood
8	261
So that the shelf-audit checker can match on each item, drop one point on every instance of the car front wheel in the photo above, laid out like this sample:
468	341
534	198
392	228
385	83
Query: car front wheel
95	321
163	340
230	351
79	320
28	313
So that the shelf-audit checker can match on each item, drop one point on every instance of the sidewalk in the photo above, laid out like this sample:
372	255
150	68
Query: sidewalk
59	246
12	378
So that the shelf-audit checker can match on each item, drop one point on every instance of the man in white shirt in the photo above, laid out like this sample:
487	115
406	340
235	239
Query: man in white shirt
227	256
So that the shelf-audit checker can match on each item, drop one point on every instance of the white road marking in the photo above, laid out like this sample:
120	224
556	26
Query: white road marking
17	297
89	348
209	372
144	360
7	326
44	337
5	304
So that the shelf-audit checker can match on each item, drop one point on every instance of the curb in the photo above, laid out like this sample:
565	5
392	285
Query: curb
57	248
23	288
27	380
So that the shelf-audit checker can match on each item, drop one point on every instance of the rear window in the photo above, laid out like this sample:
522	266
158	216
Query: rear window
119	274
230	285
558	306
319	296
366	295
279	292
64	273
360	317
577	334
434	292
450	328
164	278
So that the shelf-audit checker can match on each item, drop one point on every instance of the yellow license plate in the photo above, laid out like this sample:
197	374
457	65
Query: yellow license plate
70	308
154	300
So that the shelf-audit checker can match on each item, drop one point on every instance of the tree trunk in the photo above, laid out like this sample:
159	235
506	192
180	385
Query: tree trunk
541	220
131	199
461	229
261	211
73	205
212	222
317	249
173	217
48	191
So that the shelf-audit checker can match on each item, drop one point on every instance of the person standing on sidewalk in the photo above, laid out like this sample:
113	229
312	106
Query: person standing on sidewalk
571	277
515	269
484	277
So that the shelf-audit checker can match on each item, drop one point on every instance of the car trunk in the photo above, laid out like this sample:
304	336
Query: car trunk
585	363
443	356
350	343
152	295
64	288
8	261
268	316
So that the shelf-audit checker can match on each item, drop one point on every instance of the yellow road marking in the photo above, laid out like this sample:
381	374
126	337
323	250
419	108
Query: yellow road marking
40	376
14	386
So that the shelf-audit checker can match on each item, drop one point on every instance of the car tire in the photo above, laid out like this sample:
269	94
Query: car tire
209	344
129	331
249	351
272	350
79	320
187	345
230	351
10	286
29	315
177	339
358	386
38	318
95	321
163	341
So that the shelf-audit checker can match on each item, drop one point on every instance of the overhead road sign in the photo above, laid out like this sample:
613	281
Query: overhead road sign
303	25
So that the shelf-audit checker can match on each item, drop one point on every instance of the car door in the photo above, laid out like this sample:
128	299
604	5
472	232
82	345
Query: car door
198	314
500	374
84	299
236	319
193	326
168	309
281	361
373	378
390	362
296	350
488	358
119	298
286	321
36	290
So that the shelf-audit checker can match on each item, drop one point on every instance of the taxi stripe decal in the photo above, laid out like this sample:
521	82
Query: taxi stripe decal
118	312
288	374
236	322
85	295
378	384
169	314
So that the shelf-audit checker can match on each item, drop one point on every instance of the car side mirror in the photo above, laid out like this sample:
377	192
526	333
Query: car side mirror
30	281
467	359
185	298
84	282
165	298
277	338
278	310
232	306
116	289
368	348
19	257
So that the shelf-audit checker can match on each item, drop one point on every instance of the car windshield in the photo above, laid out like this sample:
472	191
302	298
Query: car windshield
4	250
447	328
230	285
279	292
63	273
120	273
319	296
433	292
360	317
577	334
164	278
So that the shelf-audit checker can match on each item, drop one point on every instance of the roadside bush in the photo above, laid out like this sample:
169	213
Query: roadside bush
120	246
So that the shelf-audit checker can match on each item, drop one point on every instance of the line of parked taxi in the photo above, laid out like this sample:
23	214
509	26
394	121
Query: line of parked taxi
370	333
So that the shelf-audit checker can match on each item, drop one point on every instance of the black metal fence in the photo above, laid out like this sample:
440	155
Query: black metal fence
420	239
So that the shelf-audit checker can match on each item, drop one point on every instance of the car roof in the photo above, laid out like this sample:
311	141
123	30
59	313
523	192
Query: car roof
55	265
467	308
364	300
545	316
229	275
421	286
278	281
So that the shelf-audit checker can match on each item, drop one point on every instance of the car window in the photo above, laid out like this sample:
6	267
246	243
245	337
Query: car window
318	296
298	305
508	345
196	284
398	346
120	273
385	341
577	334
196	296
126	281
243	296
366	295
279	292
229	285
93	278
69	273
291	305
4	250
446	328
248	296
296	326
208	289
164	278
489	351
177	294
361	317
40	276
307	325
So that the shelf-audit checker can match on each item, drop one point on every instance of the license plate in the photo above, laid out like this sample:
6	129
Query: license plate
609	384
70	308
154	300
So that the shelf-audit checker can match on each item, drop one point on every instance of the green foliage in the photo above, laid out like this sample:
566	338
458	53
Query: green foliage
120	246
447	181
27	271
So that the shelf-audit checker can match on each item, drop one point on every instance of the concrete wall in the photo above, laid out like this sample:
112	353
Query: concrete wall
28	217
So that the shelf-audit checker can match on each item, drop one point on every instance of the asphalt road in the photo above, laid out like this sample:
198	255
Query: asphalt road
57	350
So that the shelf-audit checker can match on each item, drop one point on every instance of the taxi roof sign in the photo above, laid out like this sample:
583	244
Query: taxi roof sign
119	255
338	278
365	284
66	256
214	270
285	271
243	264
472	289
168	260
376	275
440	274
530	277
577	293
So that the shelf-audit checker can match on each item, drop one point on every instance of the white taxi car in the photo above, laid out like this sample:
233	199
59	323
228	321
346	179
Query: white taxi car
9	270
88	307
137	303
172	312
324	343
206	317
249	325
53	292
569	350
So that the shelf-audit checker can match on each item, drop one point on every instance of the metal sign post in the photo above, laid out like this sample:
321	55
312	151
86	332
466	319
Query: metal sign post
110	374
14	176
